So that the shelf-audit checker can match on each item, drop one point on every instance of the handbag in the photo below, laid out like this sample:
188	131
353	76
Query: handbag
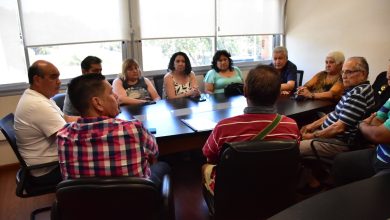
234	89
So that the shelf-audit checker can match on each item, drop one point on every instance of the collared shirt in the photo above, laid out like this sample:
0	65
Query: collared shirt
351	109
288	73
102	146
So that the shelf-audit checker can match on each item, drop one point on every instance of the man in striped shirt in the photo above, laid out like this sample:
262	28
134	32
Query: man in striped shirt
261	89
340	125
99	144
357	165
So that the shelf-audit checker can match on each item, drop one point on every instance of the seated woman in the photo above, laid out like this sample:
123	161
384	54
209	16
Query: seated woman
327	84
132	88
180	81
222	74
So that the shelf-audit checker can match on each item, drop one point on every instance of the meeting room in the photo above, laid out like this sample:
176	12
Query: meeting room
194	110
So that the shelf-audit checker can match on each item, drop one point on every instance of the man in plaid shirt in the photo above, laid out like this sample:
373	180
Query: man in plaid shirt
98	144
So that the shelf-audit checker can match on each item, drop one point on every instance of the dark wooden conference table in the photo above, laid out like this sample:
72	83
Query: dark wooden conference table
365	199
173	135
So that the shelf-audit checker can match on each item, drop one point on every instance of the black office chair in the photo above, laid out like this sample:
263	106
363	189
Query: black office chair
59	99
254	179
299	78
113	198
24	187
159	84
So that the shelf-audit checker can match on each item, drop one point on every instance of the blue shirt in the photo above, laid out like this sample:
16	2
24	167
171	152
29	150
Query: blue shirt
220	82
351	109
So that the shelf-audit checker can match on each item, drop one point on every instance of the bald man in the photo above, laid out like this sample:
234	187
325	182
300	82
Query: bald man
37	120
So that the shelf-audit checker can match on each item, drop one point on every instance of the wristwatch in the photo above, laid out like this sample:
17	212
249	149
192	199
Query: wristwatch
315	134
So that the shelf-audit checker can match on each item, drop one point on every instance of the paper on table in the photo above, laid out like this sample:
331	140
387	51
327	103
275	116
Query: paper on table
197	124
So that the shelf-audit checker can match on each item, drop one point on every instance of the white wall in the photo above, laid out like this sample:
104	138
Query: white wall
8	105
356	27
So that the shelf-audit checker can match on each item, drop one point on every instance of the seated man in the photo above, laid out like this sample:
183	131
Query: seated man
340	124
286	69
37	120
98	144
357	165
90	64
261	112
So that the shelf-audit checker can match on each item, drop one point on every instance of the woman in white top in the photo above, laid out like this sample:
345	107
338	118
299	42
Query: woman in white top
180	81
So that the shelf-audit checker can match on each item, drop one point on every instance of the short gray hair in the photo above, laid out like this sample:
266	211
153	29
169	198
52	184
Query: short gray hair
281	49
362	63
338	56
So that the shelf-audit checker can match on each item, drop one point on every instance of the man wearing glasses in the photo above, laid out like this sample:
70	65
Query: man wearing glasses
340	124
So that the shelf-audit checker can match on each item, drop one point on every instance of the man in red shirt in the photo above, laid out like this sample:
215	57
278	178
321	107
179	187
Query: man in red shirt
261	89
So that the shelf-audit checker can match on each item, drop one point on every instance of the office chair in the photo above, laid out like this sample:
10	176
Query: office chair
59	99
24	187
159	84
299	78
113	198
254	179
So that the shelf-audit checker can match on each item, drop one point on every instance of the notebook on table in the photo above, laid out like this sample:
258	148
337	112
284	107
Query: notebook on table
198	125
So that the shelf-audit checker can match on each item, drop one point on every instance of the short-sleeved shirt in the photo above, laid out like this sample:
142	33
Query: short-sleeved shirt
319	84
220	82
383	150
244	128
289	72
102	146
351	109
138	90
37	119
68	108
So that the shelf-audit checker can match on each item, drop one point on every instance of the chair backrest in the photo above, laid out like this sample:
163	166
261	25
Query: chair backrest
256	179
381	90
107	198
7	128
299	78
159	84
59	99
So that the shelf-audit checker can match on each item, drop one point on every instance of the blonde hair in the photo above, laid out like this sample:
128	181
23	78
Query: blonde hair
338	56
126	65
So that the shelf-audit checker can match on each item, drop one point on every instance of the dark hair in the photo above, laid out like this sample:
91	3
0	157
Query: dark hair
171	65
218	55
82	88
34	70
262	85
88	61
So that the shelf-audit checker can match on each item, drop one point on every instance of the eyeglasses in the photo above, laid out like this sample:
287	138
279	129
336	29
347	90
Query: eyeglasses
349	72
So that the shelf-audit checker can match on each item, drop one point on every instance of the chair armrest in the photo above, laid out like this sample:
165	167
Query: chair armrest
167	197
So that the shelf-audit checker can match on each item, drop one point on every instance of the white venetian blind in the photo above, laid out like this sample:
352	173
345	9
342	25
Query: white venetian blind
50	22
176	18
250	17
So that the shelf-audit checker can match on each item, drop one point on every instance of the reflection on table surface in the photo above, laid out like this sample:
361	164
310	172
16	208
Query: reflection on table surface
165	115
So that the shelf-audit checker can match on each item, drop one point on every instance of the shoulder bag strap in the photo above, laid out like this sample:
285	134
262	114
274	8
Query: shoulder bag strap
269	128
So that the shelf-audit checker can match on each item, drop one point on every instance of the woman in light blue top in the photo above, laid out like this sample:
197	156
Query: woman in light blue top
222	74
